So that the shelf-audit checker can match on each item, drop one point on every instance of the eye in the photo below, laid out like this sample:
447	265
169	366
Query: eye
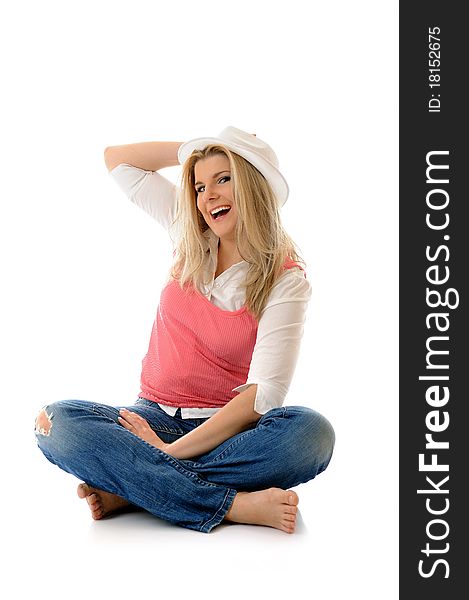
224	179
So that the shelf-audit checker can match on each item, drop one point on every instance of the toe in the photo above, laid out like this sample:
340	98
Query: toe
288	527
94	501
83	490
97	511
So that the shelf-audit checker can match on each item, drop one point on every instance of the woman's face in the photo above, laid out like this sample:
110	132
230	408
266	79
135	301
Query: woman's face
214	190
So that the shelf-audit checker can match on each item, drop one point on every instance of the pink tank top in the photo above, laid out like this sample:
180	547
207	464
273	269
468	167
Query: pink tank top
198	352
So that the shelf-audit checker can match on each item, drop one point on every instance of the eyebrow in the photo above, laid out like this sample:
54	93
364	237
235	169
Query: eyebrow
214	176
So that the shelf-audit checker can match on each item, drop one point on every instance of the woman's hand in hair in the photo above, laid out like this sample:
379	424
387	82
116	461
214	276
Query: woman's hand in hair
140	427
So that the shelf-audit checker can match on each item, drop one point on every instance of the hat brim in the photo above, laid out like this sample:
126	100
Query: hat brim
266	168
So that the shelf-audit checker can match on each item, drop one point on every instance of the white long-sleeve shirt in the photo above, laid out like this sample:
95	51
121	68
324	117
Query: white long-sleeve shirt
281	324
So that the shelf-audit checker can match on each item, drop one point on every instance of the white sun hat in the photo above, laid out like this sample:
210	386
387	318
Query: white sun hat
250	147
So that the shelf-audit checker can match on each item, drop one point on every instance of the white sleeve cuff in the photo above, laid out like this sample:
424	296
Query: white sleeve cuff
267	396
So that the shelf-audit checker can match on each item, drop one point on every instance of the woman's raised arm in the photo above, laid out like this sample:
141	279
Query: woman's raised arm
150	156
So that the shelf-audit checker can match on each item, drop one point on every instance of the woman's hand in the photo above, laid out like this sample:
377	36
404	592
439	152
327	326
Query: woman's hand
140	427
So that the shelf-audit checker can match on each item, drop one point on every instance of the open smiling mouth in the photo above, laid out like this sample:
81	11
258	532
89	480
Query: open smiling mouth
219	213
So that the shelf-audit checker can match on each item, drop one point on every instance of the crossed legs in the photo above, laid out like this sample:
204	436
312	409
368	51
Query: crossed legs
235	482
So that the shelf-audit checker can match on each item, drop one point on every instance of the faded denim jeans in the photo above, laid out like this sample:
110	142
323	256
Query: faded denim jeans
288	446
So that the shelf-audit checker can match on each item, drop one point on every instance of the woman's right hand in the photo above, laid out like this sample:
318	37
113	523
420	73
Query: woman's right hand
140	427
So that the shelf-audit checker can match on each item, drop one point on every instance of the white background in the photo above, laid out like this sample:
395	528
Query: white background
81	271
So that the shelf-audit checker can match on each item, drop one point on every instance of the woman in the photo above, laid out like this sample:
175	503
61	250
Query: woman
208	438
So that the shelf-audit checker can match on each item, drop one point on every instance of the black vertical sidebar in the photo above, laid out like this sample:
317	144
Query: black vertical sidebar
434	268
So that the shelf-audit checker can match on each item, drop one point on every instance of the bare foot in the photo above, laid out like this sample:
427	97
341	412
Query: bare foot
273	507
101	503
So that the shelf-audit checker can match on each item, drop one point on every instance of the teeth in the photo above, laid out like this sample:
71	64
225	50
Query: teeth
216	210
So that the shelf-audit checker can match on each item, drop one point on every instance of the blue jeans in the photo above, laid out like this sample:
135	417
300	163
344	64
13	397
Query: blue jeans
287	446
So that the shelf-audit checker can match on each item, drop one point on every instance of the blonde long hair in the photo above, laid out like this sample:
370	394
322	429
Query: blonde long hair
260	237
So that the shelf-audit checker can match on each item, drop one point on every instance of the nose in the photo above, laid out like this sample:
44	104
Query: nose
210	192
